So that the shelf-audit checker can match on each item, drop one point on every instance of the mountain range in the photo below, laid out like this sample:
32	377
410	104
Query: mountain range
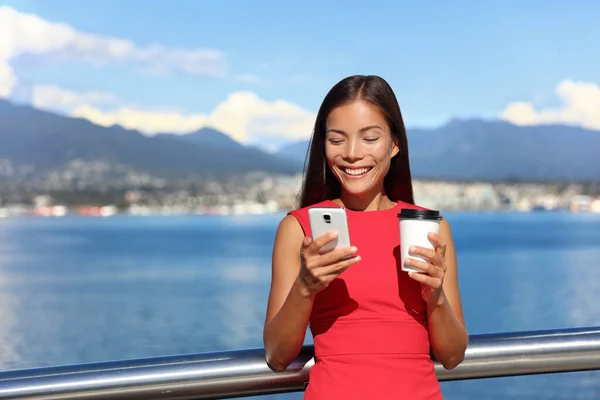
496	150
460	150
48	141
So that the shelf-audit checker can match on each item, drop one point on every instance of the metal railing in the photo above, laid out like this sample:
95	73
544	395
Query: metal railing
245	373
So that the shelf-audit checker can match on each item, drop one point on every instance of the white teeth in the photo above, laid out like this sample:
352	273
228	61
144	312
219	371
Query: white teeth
356	171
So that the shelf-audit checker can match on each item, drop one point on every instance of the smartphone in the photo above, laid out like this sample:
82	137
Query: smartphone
327	219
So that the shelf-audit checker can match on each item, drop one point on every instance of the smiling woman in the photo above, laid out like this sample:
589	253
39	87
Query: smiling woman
375	326
358	158
358	125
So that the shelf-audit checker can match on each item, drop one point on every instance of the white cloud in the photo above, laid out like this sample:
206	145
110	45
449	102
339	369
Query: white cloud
8	80
22	33
580	106
52	97
242	115
146	121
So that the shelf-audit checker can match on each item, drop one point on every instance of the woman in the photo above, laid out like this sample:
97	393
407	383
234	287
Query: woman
374	326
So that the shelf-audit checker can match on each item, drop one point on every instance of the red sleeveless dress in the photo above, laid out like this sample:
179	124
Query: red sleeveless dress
369	325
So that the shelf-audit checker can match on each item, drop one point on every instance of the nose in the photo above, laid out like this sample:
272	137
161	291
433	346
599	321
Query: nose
353	150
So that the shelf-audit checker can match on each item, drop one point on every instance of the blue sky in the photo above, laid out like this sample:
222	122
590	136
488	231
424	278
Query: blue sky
452	59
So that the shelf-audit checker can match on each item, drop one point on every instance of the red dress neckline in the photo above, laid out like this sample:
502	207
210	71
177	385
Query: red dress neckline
397	204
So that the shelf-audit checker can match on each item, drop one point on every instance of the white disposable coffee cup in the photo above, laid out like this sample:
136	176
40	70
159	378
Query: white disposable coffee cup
414	227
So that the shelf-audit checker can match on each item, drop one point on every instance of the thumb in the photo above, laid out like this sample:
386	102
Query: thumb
306	242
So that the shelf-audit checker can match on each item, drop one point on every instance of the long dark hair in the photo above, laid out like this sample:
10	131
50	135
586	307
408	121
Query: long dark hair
319	182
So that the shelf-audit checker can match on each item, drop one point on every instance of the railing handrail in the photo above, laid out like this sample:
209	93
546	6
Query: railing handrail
245	373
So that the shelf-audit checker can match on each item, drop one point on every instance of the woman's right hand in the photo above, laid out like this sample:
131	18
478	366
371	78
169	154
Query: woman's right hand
318	269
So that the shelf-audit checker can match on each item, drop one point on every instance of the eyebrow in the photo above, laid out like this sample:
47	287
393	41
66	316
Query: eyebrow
366	128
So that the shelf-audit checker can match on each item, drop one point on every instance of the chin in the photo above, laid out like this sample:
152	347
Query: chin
356	189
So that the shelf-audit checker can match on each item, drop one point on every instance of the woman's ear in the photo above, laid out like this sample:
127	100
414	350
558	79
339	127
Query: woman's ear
395	148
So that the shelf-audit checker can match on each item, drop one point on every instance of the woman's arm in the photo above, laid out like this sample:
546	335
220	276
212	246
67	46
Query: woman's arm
447	332
299	271
289	305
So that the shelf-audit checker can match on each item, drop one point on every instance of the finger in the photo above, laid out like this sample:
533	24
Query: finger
316	261
423	266
322	241
337	268
428	268
430	254
338	254
437	260
306	242
438	243
434	283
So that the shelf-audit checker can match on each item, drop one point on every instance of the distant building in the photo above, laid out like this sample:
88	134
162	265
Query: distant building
581	204
595	206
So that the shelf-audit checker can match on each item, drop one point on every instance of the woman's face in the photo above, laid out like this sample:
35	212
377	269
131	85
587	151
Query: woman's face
359	147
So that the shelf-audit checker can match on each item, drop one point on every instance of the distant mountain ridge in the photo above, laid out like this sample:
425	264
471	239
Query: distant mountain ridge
206	136
460	150
496	150
44	140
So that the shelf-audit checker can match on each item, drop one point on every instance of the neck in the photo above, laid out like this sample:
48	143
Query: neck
377	201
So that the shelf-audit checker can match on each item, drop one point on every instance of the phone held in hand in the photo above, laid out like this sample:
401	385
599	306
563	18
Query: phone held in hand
330	219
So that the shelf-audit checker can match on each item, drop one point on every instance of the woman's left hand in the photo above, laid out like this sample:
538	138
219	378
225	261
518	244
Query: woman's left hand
434	269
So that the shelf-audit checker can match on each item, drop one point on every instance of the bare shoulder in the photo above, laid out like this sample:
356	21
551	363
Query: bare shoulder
289	230
285	263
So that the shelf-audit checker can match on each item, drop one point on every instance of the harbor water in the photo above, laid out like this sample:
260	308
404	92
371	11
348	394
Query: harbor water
78	289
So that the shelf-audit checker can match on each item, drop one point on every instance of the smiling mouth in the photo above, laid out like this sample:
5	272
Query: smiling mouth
356	172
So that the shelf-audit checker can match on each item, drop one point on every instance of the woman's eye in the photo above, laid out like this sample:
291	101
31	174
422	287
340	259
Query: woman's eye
371	140
335	141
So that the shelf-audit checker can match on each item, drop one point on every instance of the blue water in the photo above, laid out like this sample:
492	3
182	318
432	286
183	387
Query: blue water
82	290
